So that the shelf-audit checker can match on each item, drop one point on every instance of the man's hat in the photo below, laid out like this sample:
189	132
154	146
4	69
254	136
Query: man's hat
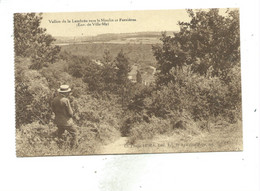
64	89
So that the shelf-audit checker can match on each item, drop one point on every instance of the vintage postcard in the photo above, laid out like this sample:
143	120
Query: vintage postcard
127	82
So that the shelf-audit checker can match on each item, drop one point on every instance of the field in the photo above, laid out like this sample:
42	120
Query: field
138	37
137	53
136	46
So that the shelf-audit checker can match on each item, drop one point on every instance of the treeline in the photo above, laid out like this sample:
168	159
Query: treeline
197	79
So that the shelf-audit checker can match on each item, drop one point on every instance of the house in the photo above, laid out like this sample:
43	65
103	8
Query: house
147	75
98	62
132	74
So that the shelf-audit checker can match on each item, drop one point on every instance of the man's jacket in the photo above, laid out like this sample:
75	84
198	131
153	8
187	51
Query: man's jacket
63	112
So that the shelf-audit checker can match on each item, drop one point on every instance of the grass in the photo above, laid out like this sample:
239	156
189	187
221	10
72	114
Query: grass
41	140
217	138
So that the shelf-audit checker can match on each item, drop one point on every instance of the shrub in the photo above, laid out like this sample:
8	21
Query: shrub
32	96
40	140
203	96
89	109
57	75
198	69
145	131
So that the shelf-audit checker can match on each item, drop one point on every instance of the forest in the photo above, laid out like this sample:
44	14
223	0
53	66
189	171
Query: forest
192	98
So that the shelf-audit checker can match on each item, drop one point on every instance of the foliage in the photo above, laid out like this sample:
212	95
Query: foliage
167	58
123	67
147	130
203	97
209	42
78	65
98	118
198	69
135	52
198	97
86	71
139	97
41	140
93	77
109	72
31	40
57	74
197	83
98	76
107	57
89	109
217	39
32	96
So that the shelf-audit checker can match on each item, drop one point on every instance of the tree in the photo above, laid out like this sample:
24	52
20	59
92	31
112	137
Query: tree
78	65
92	76
124	68
30	40
209	43
212	41
109	72
107	58
168	56
138	77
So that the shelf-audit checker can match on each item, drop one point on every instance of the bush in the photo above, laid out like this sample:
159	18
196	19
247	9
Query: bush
40	140
93	110
57	75
203	96
106	133
198	69
128	121
32	96
145	131
177	123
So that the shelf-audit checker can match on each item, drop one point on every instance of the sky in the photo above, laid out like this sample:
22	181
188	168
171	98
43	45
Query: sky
160	20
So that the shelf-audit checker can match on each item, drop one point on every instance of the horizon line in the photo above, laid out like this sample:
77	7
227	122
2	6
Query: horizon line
116	33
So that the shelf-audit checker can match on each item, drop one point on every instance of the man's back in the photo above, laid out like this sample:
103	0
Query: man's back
62	109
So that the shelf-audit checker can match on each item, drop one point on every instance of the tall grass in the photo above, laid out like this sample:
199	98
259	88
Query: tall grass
41	140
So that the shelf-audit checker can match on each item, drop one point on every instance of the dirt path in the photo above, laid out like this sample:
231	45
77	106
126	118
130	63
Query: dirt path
117	147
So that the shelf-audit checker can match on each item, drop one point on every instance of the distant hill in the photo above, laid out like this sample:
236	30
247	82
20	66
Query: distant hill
120	38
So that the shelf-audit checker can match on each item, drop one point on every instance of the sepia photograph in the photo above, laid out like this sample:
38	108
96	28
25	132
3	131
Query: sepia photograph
127	82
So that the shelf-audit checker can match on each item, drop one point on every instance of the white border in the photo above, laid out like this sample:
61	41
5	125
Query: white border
231	171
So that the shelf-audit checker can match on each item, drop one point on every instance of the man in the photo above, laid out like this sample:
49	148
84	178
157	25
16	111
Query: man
63	114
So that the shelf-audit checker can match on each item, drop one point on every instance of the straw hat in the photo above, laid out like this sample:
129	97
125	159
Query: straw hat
64	89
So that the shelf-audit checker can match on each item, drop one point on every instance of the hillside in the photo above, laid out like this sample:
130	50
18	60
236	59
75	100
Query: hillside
138	37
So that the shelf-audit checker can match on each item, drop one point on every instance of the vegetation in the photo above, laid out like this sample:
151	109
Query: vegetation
196	92
136	53
31	40
197	80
